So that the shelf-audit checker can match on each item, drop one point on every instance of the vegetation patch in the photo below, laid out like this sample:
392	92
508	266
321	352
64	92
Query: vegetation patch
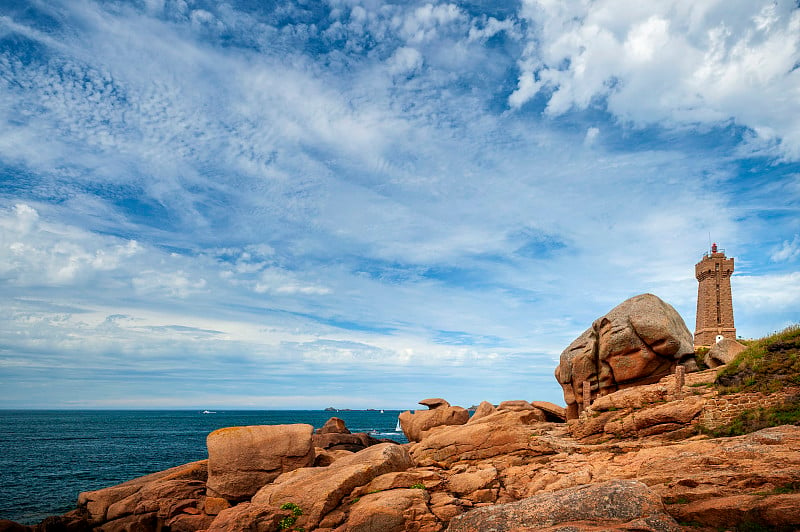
767	365
287	523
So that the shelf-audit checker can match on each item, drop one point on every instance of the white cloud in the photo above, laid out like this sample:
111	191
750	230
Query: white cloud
422	24
282	282
674	63
788	252
404	61
776	292
591	136
33	253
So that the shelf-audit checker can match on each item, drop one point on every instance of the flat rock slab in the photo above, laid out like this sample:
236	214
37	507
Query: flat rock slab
617	504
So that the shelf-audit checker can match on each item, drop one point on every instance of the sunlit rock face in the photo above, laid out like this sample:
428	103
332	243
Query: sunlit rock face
637	342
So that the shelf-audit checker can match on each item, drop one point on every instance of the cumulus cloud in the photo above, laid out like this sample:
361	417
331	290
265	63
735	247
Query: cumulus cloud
674	64
33	253
776	291
788	251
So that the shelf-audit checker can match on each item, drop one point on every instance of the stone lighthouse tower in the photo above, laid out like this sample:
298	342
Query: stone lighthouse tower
714	300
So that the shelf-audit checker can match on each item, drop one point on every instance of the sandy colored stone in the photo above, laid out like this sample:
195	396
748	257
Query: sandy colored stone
189	523
767	511
400	479
416	424
319	490
468	482
483	410
477	441
248	517
637	342
343	441
396	510
723	352
516	405
214	505
694	470
132	523
612	504
552	411
118	501
327	457
243	459
334	425
434	403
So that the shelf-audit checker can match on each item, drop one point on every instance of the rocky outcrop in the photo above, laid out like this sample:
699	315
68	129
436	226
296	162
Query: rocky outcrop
552	412
483	410
637	342
334	425
146	501
616	505
398	510
723	352
243	459
440	413
503	433
316	490
335	436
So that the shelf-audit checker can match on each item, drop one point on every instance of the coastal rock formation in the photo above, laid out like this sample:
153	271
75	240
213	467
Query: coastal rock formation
243	459
143	501
334	425
398	510
552	412
317	490
637	342
335	436
415	424
638	458
723	352
617	504
503	433
483	410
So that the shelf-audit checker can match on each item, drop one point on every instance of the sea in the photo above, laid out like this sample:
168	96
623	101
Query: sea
48	457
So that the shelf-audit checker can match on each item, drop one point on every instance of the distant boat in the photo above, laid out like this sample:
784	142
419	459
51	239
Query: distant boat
398	428
381	411
208	412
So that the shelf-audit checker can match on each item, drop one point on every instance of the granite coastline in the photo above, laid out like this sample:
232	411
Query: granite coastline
645	442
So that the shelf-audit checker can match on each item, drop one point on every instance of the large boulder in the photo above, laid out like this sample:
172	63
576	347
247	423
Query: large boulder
243	459
144	495
440	413
397	510
344	442
335	436
503	434
723	352
334	425
637	342
315	490
613	505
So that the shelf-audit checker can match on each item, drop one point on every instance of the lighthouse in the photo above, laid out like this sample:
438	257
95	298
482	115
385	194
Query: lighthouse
714	299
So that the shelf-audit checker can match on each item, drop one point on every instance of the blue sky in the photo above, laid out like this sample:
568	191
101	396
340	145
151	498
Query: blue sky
357	203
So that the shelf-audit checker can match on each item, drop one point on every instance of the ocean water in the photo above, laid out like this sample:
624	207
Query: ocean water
48	457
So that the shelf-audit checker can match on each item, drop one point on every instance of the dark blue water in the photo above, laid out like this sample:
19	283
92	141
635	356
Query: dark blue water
48	457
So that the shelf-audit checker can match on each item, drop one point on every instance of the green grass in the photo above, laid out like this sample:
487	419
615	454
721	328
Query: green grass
767	365
787	413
